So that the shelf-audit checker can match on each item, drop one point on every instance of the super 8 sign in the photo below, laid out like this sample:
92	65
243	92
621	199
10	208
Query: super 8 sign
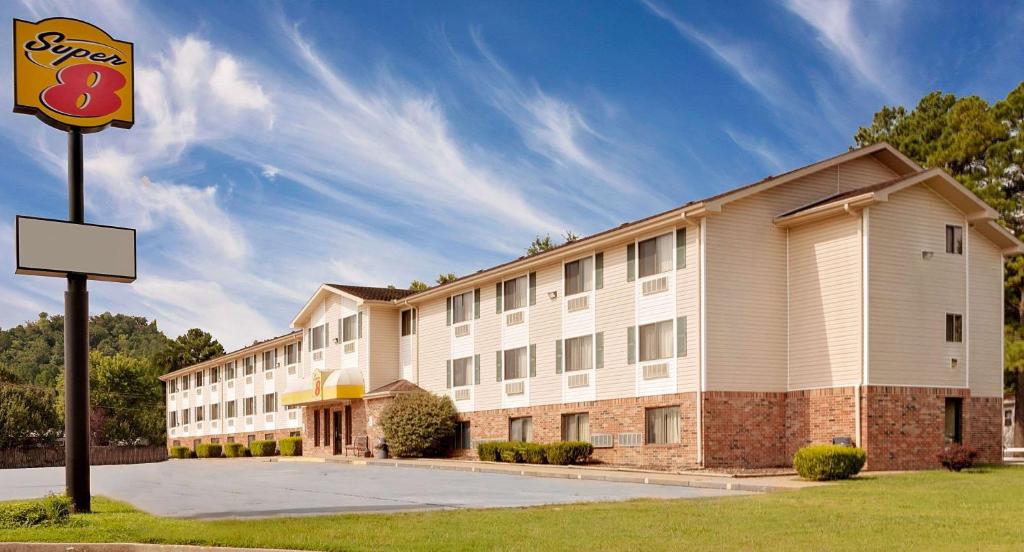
72	74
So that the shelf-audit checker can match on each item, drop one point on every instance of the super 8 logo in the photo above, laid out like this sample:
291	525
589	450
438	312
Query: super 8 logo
72	74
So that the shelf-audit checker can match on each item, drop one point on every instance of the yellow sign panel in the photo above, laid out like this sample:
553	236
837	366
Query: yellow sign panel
72	74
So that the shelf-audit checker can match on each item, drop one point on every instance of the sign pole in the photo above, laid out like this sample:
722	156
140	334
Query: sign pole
76	349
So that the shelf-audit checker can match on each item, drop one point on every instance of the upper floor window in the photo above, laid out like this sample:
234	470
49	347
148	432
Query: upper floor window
215	411
184	382
229	370
270	402
172	386
231	407
408	322
655	255
270	359
462	368
349	329
579	353
515	293
291	353
514	363
250	364
250	406
462	307
954	328
656	341
214	374
317	337
184	417
199	413
954	239
579	276
199	378
172	418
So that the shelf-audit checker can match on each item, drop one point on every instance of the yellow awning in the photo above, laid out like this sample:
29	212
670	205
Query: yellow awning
325	386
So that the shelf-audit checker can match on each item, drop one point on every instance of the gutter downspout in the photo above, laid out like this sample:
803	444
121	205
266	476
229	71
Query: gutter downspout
865	286
702	371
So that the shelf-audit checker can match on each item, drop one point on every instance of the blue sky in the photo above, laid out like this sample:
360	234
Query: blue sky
281	145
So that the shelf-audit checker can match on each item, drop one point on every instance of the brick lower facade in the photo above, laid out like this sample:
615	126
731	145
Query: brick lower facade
322	436
242	437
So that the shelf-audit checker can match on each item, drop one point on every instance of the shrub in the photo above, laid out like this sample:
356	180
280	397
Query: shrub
234	450
263	448
956	457
488	451
419	425
181	452
532	453
568	452
51	510
208	450
828	462
290	446
509	452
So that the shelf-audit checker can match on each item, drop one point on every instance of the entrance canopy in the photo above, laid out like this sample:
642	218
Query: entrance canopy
324	385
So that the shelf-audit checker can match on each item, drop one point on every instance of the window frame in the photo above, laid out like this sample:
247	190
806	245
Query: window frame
568	356
651	437
214	411
249	365
407	323
523	366
272	355
954	327
214	375
662	355
350	328
231	409
586	274
658	261
318	333
463	435
229	370
200	413
572	420
464	302
523	296
291	353
273	402
246	404
467	369
525	430
954	239
199	378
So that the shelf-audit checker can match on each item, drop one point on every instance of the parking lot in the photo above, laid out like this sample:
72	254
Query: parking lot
251	488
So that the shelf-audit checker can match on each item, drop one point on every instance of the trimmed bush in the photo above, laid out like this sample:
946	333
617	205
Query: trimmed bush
532	453
50	510
509	452
290	446
208	450
828	462
180	452
568	452
234	450
956	457
418	425
488	451
263	448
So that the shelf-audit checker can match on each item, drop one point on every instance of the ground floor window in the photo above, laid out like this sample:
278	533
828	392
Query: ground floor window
316	428
249	439
327	427
576	427
176	443
196	443
462	436
520	429
293	433
215	440
268	436
231	439
663	425
954	419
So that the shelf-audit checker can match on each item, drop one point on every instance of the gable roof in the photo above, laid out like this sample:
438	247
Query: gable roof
373	293
233	355
978	213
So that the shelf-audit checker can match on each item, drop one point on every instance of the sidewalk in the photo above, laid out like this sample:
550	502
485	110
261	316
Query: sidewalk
592	473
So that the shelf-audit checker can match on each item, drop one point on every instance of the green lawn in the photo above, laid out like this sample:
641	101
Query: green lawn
980	510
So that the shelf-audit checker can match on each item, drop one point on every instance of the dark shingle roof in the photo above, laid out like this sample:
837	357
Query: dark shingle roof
373	293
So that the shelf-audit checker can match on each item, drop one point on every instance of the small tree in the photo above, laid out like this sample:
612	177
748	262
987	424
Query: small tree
417	285
446	278
27	416
418	425
540	245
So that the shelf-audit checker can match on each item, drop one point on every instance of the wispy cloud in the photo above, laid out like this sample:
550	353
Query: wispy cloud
761	148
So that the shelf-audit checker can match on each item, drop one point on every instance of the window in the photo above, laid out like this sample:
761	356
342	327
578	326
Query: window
349	330
215	440
656	341
579	353
515	363
294	434
291	353
232	407
184	416
215	411
318	337
250	365
1007	417
172	418
199	413
462	436
184	382
663	425
327	428
408	322
268	436
515	293
250	406
231	439
461	372
954	328
520	429
269	359
270	402
954	239
462	307
316	428
172	386
579	276
954	420
215	374
576	427
656	255
199	378
229	370
249	440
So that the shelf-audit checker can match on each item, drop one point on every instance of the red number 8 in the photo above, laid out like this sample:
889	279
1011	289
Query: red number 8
100	96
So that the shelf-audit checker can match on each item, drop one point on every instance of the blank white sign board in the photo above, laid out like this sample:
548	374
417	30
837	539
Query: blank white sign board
47	247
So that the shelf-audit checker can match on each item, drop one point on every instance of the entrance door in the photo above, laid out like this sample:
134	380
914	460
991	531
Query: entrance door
348	424
338	444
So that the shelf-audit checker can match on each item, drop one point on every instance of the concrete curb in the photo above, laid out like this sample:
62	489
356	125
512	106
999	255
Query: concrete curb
120	547
648	478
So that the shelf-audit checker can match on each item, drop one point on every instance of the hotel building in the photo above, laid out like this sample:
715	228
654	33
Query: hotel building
858	299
